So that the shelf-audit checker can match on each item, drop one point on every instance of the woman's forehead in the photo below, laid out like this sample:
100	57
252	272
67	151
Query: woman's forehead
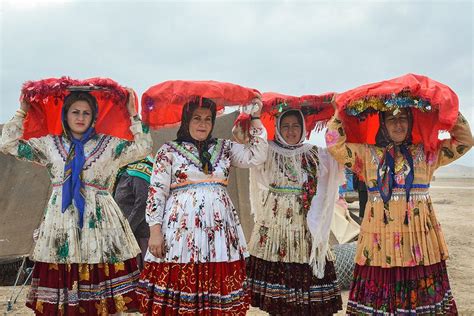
395	114
202	111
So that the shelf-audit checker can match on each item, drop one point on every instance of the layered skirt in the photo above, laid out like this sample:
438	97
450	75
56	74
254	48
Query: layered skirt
291	288
213	288
83	289
419	290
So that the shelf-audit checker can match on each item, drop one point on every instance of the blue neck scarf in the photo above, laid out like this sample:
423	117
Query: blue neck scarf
386	168
73	185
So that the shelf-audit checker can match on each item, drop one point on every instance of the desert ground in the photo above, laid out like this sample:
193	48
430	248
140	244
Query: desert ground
454	204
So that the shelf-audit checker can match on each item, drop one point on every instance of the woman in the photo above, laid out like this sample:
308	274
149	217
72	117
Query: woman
197	249
401	252
85	251
290	270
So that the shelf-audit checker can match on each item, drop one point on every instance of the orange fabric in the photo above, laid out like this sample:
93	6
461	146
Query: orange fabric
316	109
426	125
46	98
162	104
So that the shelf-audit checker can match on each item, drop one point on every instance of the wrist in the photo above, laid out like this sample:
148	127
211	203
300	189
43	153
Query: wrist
20	113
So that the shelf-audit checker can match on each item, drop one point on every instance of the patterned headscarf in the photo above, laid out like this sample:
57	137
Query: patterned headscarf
73	186
386	168
183	134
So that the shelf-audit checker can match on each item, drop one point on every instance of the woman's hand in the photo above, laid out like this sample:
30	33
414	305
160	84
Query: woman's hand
334	104
24	105
156	243
131	102
257	102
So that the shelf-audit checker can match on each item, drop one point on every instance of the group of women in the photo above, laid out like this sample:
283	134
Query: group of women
198	261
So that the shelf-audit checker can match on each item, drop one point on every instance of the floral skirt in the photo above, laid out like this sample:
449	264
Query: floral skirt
291	288
420	290
80	288
212	288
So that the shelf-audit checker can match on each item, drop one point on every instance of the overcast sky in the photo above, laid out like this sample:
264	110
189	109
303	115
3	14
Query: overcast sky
289	47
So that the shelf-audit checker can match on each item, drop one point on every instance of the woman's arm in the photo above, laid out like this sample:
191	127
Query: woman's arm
455	147
142	144
158	193
348	154
33	150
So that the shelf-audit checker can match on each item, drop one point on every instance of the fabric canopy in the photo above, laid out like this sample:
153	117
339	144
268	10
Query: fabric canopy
317	110
47	96
162	104
434	106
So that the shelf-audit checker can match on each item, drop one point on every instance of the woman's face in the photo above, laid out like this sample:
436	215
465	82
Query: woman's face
397	126
201	124
79	118
291	129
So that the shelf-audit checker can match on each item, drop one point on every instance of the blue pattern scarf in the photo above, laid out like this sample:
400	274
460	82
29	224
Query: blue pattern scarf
386	167
73	186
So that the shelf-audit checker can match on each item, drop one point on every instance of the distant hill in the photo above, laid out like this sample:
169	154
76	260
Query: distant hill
455	171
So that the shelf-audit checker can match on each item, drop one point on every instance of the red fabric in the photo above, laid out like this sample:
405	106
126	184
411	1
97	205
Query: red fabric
83	289
208	288
162	104
46	98
316	109
426	125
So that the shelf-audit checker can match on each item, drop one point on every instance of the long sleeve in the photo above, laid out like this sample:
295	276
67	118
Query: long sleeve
33	150
455	147
348	154
255	152
330	176
130	151
159	189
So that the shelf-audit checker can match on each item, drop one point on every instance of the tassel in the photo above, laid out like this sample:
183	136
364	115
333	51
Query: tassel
385	218
406	218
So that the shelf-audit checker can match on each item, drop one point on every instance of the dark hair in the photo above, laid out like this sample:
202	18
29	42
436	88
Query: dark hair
187	114
79	96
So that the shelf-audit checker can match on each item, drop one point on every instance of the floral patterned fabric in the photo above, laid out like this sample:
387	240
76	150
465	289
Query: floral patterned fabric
213	288
398	233
420	290
83	289
199	221
280	276
63	251
202	232
106	235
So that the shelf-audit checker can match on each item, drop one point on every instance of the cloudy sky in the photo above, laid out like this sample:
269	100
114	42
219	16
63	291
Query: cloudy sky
285	46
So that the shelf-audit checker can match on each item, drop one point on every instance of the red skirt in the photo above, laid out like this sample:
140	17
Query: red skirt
80	288
213	288
420	290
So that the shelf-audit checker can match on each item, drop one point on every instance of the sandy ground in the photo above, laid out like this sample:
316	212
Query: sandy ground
454	204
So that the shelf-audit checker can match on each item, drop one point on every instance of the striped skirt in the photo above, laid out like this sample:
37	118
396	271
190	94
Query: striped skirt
291	288
419	290
212	288
87	289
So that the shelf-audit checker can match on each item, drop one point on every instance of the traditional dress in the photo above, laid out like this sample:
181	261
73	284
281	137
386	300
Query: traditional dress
290	270
203	270
401	252
85	264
